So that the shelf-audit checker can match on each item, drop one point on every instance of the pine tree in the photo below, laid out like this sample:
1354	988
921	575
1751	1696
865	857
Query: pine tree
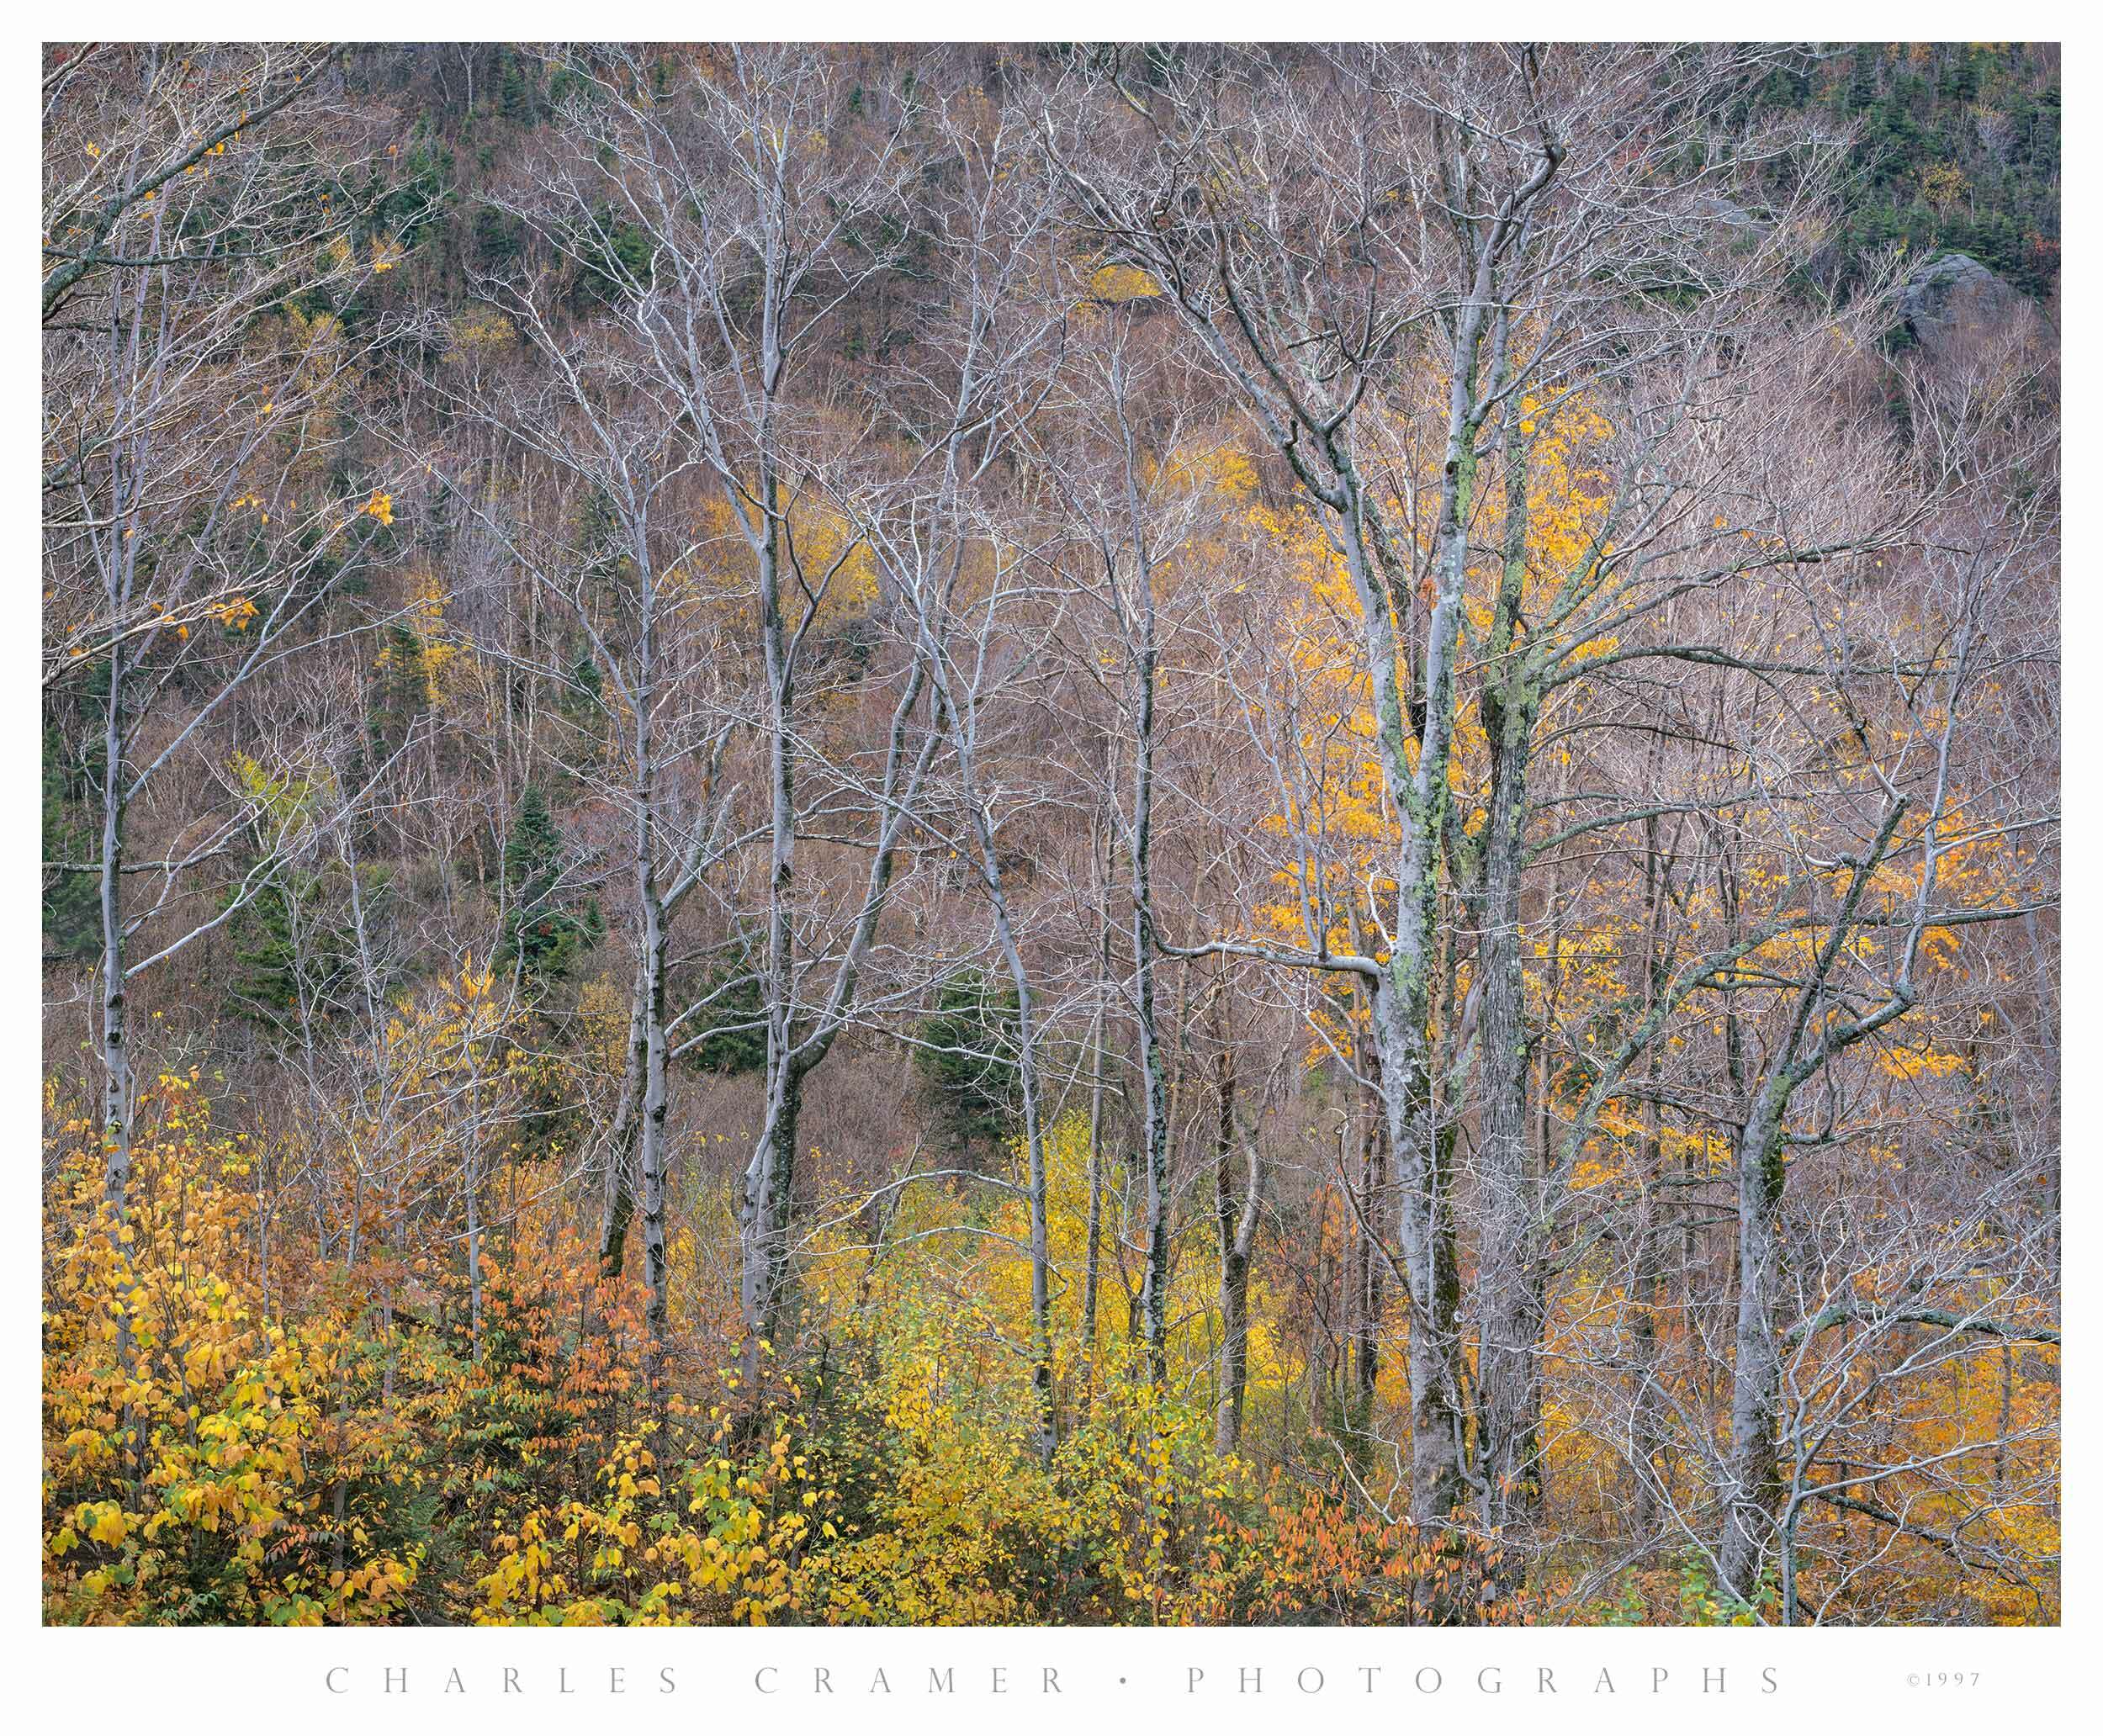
734	1040
72	896
400	696
968	1063
541	938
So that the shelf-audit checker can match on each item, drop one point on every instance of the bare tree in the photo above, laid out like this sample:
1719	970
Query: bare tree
191	539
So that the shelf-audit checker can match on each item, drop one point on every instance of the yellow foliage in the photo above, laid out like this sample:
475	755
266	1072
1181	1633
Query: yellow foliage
185	1434
1115	284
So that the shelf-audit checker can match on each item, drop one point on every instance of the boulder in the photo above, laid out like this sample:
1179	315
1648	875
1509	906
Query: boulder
1953	298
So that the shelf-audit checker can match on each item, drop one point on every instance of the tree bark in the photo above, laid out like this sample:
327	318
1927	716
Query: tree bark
1511	1306
652	1151
1369	1295
119	1098
1237	1210
1754	1468
620	1186
1153	1301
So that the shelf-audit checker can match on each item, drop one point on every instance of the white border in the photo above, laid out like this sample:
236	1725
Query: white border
219	1679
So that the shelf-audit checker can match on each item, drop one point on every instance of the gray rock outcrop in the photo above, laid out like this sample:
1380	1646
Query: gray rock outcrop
1952	297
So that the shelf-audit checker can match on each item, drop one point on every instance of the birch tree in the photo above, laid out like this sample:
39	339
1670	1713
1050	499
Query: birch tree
192	539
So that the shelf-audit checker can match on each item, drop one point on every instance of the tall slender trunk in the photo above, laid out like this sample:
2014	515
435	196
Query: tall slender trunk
1511	1307
1032	1129
143	362
1646	1433
1092	1274
1153	1297
1153	1305
648	1073
1646	1302
471	1187
118	1096
763	1206
651	1144
764	1217
1237	1210
1754	1484
1479	343
1419	789
1401	1004
620	1182
1754	1490
766	1207
1320	1336
1368	1292
1092	1271
1425	1233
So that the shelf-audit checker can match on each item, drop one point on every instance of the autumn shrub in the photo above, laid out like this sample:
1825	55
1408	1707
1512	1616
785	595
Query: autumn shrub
1316	1555
198	1463
715	1541
398	1437
947	1509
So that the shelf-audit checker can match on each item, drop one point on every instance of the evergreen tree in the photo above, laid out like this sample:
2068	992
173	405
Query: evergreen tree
400	696
542	939
734	1023
967	1060
266	985
73	913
